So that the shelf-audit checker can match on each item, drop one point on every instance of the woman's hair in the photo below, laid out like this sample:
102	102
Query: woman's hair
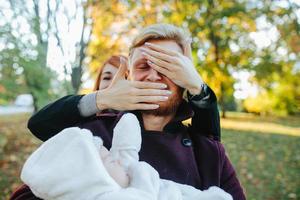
114	61
160	32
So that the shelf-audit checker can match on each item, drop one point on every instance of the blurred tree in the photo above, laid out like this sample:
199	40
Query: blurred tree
115	23
28	28
277	71
76	12
219	30
11	83
27	40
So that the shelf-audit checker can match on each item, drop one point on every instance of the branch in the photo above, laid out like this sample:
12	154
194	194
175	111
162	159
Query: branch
56	32
83	44
37	22
48	19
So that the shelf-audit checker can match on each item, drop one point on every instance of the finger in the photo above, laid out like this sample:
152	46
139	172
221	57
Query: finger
161	70
161	49
145	106
149	99
159	55
158	62
148	85
153	92
121	73
187	49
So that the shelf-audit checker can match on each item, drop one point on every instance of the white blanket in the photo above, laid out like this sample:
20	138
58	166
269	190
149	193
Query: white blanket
68	167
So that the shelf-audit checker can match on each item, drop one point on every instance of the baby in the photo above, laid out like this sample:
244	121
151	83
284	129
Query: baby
74	164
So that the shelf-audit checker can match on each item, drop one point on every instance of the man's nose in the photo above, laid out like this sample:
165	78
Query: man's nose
153	75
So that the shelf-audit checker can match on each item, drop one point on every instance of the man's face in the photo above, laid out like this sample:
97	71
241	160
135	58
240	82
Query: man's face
141	71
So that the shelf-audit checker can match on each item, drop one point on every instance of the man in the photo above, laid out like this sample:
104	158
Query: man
160	55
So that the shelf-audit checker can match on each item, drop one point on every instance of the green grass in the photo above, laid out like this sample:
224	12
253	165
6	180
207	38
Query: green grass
268	165
264	151
16	143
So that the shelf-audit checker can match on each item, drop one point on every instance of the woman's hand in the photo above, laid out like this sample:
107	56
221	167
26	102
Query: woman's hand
123	94
174	65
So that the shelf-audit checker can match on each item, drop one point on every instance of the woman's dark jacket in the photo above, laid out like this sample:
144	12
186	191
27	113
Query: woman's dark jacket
64	113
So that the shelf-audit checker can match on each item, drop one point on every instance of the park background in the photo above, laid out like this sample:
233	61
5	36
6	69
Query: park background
248	51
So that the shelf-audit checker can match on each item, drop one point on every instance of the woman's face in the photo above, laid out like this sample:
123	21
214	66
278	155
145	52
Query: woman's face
107	76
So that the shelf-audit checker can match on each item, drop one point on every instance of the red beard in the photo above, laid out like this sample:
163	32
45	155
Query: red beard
170	106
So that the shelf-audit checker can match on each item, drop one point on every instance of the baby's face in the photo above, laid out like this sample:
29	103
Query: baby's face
114	168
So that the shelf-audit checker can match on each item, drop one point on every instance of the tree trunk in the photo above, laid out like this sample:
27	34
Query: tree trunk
77	71
76	78
222	102
35	103
215	42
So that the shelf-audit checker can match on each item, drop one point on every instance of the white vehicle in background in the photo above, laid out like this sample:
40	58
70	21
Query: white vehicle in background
22	104
24	100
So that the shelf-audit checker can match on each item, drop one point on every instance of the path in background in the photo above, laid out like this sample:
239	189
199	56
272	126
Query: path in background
9	110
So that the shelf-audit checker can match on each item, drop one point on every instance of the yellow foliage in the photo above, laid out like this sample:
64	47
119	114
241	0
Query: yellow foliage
233	20
85	91
260	104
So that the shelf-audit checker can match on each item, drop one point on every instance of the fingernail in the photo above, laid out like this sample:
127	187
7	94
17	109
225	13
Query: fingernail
169	92
164	86
147	43
164	98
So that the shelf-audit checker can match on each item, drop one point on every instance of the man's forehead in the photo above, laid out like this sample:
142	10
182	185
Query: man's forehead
166	44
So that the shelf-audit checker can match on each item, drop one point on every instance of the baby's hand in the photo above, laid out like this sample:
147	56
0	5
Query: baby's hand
127	133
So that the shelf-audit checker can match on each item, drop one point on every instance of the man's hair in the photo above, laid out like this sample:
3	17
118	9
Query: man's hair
160	32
